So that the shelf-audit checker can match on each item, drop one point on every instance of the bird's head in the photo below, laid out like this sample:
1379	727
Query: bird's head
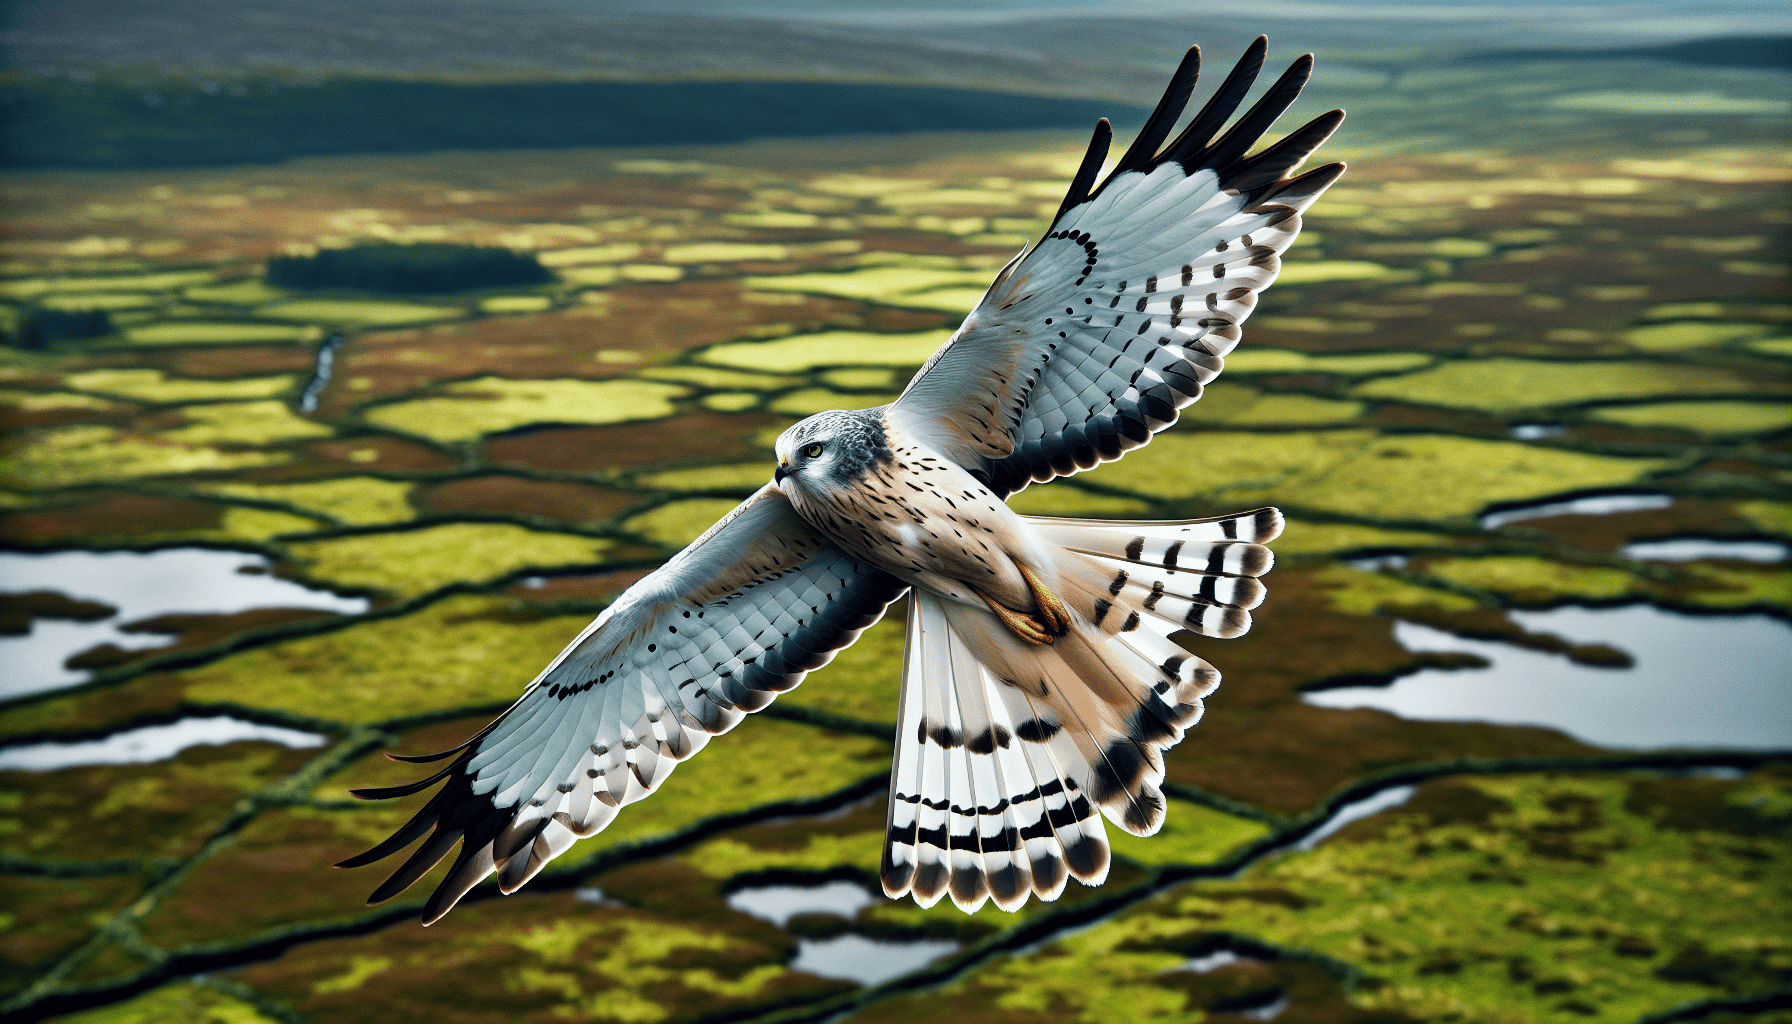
830	450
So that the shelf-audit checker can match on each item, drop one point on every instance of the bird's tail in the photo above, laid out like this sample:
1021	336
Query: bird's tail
1008	754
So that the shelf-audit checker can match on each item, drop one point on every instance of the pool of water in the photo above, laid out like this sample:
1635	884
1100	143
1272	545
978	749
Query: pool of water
779	903
140	585
1536	431
1356	810
1595	505
151	743
851	957
867	961
1698	681
1692	549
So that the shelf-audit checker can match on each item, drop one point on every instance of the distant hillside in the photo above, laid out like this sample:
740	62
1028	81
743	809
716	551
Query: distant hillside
53	123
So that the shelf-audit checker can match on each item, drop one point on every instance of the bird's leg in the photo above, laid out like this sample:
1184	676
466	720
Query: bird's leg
1026	627
1052	613
1050	622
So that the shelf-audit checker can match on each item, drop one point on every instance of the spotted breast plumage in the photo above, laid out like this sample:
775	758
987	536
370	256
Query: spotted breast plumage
1049	662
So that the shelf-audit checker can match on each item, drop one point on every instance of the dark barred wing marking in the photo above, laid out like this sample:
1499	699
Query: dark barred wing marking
737	618
1099	335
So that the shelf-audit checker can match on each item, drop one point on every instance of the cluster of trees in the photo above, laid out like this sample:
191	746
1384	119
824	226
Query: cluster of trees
37	326
422	268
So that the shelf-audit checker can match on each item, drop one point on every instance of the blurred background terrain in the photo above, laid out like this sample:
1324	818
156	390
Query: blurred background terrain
1509	740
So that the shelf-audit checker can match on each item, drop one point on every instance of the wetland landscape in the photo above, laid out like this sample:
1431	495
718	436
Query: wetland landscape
1523	391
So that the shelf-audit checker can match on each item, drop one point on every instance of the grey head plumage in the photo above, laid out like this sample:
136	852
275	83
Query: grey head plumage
832	450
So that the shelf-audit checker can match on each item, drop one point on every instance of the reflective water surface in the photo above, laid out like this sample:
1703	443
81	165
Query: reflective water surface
1699	681
151	743
140	585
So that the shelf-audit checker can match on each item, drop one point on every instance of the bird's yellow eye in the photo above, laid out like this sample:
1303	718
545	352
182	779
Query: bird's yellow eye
812	451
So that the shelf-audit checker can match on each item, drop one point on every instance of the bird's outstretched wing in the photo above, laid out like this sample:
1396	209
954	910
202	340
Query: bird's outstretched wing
720	630
1092	340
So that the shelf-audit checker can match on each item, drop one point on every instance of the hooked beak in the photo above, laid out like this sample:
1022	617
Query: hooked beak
781	472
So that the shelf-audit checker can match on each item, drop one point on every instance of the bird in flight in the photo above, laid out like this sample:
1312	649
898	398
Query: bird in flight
1048	662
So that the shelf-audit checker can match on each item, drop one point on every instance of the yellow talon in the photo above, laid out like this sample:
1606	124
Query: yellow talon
1052	613
1027	627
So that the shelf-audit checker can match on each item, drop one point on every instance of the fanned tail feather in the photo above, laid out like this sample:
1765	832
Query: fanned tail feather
1009	754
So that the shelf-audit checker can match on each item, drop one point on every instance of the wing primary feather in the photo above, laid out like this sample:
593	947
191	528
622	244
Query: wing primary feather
1289	152
1225	100
1244	134
433	849
1157	127
1308	184
406	789
1086	174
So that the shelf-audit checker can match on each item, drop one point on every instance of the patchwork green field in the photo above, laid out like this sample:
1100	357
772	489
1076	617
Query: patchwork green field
1456	332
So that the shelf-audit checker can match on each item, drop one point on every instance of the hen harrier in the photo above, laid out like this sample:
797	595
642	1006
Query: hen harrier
1048	661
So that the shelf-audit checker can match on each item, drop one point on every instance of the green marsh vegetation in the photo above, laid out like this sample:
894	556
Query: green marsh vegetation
1467	328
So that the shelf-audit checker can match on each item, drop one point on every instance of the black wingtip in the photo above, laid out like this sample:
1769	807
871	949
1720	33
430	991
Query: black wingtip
1093	158
426	758
1163	117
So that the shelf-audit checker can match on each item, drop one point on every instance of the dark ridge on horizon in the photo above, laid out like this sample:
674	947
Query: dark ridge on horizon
1770	52
56	124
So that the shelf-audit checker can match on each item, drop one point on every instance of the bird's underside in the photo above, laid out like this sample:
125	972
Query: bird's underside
1048	662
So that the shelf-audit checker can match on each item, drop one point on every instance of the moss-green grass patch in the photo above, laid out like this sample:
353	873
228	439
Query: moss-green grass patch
460	652
1417	476
248	291
749	476
1685	334
155	386
359	312
890	285
800	352
47	401
259	524
1247	406
353	501
515	304
72	302
164	808
246	423
811	846
1318	271
1536	580
1060	499
491	404
161	281
176	1003
1503	385
1307	537
1356	591
1191	834
761	760
615	252
589	277
680	522
215	332
808	401
1529	897
1716	419
729	401
1772	516
724	252
857	378
416	561
712	377
65	456
1281	360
